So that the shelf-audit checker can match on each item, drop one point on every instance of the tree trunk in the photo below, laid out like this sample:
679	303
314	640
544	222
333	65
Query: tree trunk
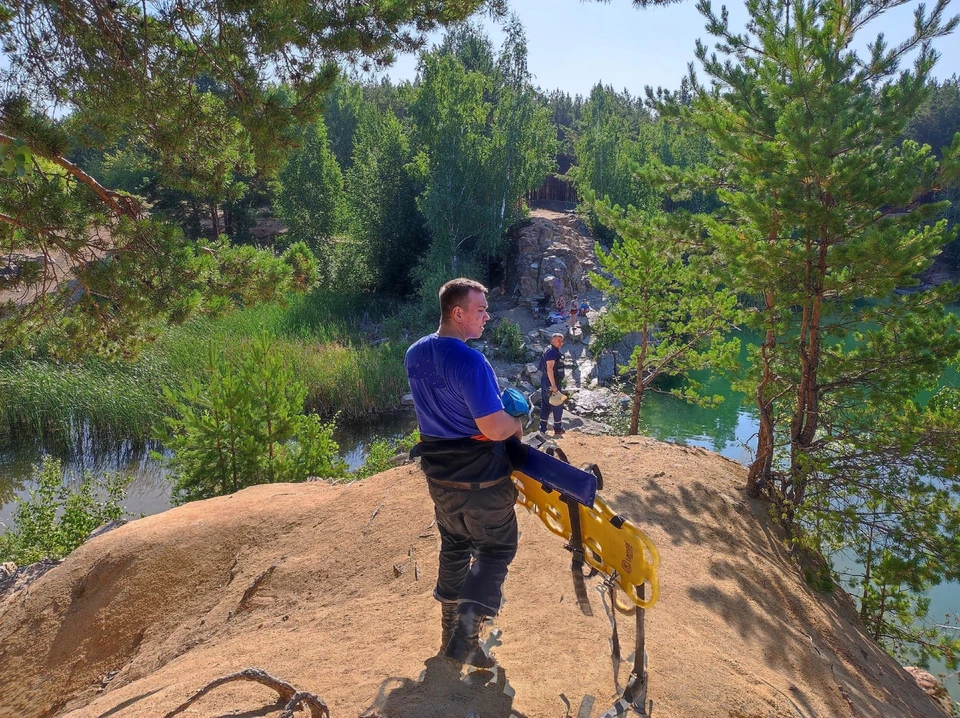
759	473
639	388
196	229
867	566
215	218
803	426
228	221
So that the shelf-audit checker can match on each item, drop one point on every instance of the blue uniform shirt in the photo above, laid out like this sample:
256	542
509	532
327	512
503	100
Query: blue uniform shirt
551	354
452	386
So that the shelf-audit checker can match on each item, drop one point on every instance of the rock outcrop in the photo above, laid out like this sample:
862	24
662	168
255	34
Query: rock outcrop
932	687
548	257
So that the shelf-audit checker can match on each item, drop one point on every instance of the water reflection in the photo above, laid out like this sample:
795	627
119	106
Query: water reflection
729	430
150	489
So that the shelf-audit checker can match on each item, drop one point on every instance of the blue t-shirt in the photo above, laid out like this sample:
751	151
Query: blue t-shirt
452	385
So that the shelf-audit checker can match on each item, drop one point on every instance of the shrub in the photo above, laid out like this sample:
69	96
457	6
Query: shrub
321	334
507	340
55	519
381	452
303	264
245	425
605	335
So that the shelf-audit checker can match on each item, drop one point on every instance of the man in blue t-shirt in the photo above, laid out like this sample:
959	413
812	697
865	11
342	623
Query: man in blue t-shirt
462	429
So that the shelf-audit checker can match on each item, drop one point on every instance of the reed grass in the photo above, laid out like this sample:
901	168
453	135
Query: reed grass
322	335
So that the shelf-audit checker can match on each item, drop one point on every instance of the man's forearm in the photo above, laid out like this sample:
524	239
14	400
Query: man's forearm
500	426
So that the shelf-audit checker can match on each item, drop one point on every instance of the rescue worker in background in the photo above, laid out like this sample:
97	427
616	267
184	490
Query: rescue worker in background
462	429
551	376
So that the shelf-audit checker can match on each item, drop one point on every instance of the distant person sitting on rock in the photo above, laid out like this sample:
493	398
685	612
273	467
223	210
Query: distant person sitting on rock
551	376
462	428
583	308
560	305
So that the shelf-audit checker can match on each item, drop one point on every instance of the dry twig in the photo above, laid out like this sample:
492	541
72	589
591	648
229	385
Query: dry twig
252	588
377	510
294	698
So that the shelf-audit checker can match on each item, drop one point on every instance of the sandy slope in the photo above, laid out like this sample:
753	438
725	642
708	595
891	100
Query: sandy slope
347	611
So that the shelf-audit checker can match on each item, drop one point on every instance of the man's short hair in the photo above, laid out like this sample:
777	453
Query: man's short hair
555	335
455	292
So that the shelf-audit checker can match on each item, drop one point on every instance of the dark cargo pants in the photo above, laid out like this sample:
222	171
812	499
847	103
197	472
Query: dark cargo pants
479	525
546	408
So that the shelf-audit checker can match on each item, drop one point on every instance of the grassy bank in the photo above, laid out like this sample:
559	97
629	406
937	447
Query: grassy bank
324	336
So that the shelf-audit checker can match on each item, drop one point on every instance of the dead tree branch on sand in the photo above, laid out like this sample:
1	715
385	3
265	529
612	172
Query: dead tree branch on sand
293	697
253	587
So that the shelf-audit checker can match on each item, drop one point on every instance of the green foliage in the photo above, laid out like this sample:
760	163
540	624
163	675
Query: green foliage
128	169
508	341
380	454
606	335
936	123
617	136
309	192
344	109
15	158
606	148
322	334
59	401
482	143
208	98
381	195
149	278
889	500
303	266
825	213
55	519
668	294
936	120
410	322
244	425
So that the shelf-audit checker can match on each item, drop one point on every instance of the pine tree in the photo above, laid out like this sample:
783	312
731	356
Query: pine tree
244	425
671	298
210	90
826	214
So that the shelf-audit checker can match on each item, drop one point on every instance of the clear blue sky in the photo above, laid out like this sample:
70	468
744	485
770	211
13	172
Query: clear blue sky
573	44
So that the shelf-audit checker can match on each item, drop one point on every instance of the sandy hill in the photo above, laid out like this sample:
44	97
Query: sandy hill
329	588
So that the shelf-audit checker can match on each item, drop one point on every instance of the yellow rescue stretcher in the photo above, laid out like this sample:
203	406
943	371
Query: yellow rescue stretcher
566	501
613	545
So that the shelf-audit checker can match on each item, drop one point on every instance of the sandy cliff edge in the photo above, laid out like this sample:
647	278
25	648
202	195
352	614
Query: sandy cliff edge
343	608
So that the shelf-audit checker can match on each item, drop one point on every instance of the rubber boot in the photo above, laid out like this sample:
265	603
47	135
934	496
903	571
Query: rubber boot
448	621
464	646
